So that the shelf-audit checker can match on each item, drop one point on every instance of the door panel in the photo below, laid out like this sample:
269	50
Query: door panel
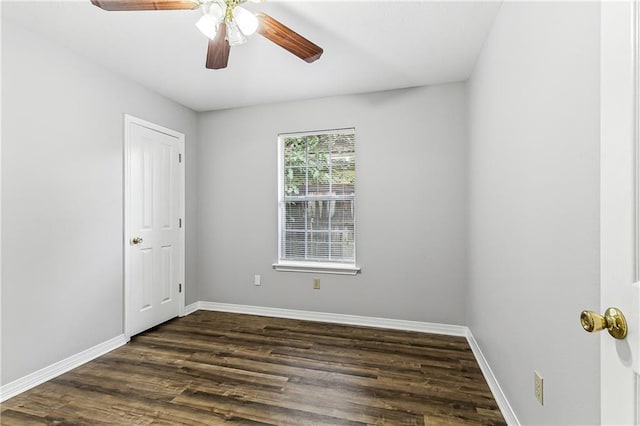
146	263
165	205
154	249
166	272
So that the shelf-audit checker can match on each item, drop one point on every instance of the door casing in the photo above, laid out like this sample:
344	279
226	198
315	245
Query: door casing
619	208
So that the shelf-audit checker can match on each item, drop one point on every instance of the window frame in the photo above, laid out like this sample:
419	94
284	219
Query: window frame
284	265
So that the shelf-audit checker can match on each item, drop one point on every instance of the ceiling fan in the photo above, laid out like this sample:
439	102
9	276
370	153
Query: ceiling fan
226	24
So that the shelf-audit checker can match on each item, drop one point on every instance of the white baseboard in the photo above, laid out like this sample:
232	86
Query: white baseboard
424	327
507	412
47	373
189	309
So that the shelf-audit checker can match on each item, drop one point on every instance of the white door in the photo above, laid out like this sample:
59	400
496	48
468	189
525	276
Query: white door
154	230
620	215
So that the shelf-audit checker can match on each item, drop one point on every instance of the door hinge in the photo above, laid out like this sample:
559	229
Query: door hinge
180	288
179	157
179	222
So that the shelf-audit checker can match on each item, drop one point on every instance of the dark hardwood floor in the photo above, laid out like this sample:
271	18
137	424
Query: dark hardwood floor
213	368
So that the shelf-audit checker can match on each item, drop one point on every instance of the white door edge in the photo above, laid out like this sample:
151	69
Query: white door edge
128	120
636	166
620	208
636	163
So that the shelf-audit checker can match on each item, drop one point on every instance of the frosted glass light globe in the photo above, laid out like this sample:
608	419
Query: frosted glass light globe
247	21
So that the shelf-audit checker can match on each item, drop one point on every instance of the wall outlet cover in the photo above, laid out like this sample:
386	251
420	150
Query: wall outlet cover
538	388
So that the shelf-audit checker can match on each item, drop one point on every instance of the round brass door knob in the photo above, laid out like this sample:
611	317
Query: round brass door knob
613	320
136	240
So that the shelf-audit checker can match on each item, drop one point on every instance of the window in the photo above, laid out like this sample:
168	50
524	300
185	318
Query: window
316	198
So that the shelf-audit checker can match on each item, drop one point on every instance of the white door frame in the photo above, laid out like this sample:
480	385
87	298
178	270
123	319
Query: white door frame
128	121
620	207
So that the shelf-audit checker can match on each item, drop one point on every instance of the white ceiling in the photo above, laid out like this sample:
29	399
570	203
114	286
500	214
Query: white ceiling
368	46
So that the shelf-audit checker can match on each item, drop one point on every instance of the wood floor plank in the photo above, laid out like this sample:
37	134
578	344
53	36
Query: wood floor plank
214	368
18	418
258	411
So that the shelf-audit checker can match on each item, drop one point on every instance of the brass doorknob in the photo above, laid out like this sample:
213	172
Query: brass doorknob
136	240
613	320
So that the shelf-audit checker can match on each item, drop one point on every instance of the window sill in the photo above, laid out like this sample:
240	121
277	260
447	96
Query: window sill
319	268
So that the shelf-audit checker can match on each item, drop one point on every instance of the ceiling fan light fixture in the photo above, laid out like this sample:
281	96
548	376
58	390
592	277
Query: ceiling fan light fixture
226	24
247	21
208	26
235	37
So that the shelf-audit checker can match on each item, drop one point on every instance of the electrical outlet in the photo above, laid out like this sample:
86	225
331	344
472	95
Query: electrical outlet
256	280
316	283
538	387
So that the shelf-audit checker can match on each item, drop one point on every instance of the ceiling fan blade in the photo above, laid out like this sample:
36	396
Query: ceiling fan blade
288	39
117	5
218	50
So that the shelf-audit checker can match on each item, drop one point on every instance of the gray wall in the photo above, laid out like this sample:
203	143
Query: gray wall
411	180
534	206
62	127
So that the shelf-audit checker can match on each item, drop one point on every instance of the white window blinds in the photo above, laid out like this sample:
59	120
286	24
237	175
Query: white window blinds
317	197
